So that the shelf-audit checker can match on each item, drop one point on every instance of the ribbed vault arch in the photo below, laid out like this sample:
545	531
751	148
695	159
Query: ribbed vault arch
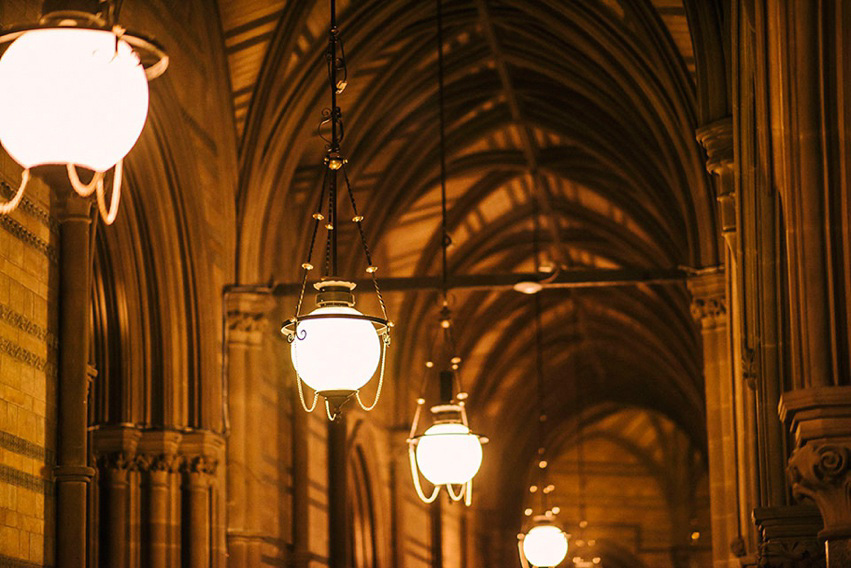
610	109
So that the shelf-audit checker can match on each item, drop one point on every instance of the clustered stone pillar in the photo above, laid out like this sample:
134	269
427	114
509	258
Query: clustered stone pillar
806	129
158	497
247	323
717	306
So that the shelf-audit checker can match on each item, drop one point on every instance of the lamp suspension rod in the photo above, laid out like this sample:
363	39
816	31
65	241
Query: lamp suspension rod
445	239
334	147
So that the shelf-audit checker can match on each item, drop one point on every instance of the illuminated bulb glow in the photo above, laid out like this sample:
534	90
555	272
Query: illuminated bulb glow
449	454
71	96
335	354
528	287
545	546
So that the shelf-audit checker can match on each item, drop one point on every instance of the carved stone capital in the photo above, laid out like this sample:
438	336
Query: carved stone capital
717	139
820	466
203	465
114	448
248	313
156	463
820	471
788	537
121	440
709	297
157	451
116	461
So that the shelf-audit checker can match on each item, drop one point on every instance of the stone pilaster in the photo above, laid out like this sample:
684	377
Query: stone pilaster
709	309
247	326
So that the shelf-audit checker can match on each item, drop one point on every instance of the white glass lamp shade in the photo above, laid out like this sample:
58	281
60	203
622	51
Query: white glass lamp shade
545	546
71	96
449	453
335	354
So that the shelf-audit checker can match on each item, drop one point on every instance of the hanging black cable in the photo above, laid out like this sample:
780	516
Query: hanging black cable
334	148
445	239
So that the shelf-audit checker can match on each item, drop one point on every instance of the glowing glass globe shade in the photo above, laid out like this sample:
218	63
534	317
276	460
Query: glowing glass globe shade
449	453
71	96
545	546
335	354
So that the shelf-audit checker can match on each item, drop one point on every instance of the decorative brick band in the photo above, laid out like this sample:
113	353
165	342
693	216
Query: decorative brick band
18	320
27	357
9	562
12	476
28	206
28	237
26	448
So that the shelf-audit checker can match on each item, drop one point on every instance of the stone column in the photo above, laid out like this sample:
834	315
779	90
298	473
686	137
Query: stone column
72	473
338	515
709	308
247	323
301	481
436	529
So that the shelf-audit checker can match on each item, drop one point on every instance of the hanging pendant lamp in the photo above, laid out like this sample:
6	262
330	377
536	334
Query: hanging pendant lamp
448	454
336	349
75	93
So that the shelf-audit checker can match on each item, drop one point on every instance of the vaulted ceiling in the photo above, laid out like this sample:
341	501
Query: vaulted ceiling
579	114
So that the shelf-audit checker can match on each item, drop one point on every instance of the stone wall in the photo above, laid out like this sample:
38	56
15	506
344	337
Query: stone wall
28	375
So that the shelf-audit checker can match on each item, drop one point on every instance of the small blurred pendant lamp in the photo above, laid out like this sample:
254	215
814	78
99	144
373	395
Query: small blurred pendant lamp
75	93
447	454
336	349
